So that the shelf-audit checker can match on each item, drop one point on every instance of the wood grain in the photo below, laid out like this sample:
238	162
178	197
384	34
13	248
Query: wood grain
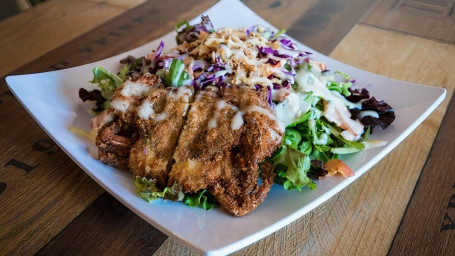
106	228
274	10
343	225
428	226
54	24
46	27
318	24
82	50
116	36
363	218
133	28
434	19
327	22
38	184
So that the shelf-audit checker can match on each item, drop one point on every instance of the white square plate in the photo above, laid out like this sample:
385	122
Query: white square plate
52	99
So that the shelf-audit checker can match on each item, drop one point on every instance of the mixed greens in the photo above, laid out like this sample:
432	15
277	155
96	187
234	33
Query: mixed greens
324	115
147	190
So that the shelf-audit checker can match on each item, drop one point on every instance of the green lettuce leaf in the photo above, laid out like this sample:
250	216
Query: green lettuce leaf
202	199
292	138
108	83
293	165
344	75
182	25
176	75
279	33
340	87
147	190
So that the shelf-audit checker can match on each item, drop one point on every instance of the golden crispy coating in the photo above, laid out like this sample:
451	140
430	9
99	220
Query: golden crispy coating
263	131
131	94
222	144
237	189
114	141
218	145
160	119
205	137
237	196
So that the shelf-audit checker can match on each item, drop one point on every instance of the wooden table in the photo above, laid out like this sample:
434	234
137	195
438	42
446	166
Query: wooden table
405	205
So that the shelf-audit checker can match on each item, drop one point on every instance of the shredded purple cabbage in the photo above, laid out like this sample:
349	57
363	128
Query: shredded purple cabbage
205	25
264	51
159	50
288	44
199	65
191	33
272	61
269	98
276	86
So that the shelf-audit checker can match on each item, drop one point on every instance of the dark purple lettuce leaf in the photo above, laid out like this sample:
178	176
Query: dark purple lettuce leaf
384	110
190	33
317	170
358	95
95	96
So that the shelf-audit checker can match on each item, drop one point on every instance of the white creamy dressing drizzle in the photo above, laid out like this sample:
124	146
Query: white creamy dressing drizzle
183	91
274	134
129	93
220	106
289	110
335	109
266	112
146	109
237	120
103	118
368	113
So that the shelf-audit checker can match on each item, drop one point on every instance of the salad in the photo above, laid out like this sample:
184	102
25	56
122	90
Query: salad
320	115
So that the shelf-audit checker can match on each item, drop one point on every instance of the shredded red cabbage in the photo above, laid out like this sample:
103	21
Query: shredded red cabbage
288	44
264	51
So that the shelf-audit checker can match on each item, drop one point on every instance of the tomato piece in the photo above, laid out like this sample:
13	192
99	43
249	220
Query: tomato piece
334	166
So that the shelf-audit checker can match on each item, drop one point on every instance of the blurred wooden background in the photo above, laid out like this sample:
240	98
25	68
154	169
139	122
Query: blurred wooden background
51	207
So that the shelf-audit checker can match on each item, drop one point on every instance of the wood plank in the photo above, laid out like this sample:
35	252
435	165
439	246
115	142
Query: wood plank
432	19
315	233
17	52
363	218
428	226
274	10
327	22
106	228
47	26
39	183
94	46
124	4
318	24
133	28
42	190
